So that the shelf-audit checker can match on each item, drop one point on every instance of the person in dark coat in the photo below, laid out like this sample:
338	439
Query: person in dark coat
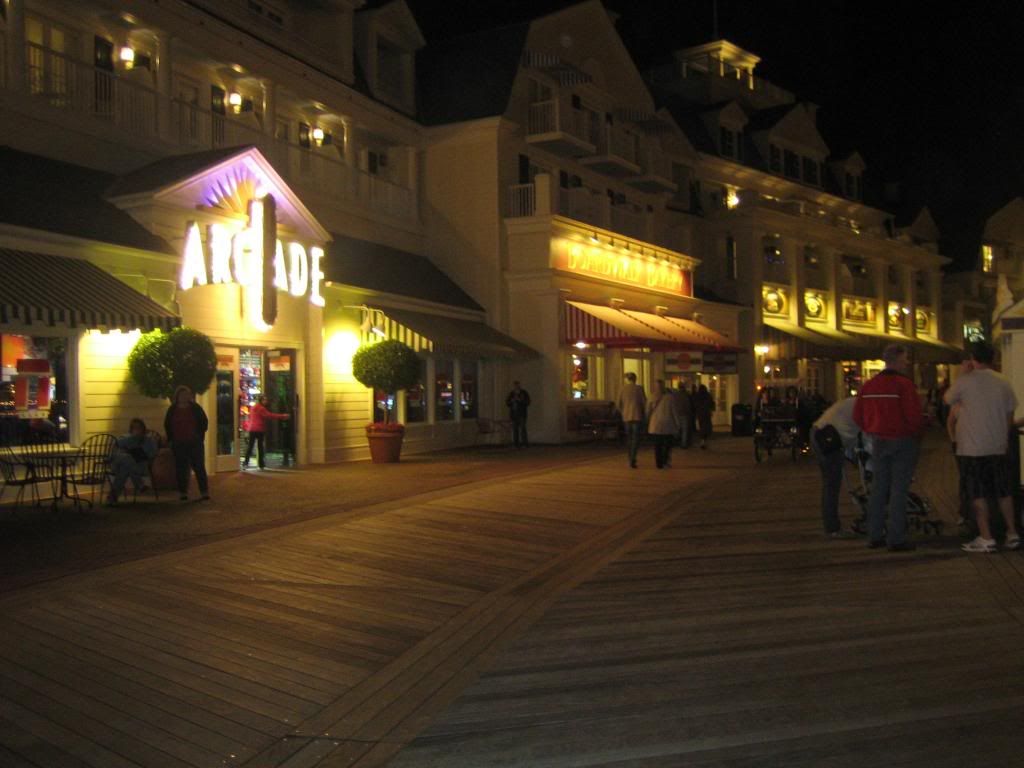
185	425
518	402
703	408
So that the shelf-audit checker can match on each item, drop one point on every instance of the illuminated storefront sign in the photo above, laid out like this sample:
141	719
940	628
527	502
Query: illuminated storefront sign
242	258
615	267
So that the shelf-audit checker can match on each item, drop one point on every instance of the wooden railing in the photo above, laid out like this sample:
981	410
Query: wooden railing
522	200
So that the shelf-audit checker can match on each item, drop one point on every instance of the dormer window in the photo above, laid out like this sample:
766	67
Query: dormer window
792	164
726	142
810	171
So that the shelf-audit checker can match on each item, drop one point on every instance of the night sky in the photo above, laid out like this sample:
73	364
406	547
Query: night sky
933	101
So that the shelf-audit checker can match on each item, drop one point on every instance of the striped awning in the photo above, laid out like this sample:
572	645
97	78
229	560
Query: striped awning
41	289
613	327
453	336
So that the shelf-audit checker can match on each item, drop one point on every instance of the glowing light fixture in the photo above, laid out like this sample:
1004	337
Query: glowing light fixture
318	136
235	100
762	349
127	56
378	331
732	198
581	345
593	238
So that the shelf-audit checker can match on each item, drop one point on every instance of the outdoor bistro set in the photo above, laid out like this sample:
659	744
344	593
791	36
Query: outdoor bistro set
66	470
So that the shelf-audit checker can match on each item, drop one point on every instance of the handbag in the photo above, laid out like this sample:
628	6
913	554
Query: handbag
828	439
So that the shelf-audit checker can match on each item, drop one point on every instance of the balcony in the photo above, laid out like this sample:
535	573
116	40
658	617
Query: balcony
616	153
117	101
655	172
578	203
60	81
557	126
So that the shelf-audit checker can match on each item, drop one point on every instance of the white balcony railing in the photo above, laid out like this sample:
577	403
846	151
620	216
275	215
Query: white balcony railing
522	200
63	82
60	81
554	116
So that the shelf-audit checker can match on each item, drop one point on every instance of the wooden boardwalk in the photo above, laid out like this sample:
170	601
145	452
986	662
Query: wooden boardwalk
618	618
331	641
736	636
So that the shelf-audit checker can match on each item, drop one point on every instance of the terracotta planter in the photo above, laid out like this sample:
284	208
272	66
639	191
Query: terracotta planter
385	444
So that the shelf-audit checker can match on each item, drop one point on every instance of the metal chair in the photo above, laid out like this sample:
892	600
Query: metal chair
92	466
17	473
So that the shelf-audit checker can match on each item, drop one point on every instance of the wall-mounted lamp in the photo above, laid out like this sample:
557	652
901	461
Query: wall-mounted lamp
127	56
581	345
593	238
762	349
320	137
235	101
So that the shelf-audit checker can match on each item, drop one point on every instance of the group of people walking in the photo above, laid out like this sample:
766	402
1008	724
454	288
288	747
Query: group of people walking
669	417
887	414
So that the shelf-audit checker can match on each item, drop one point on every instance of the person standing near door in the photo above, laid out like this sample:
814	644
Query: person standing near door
258	418
632	405
518	402
662	423
186	424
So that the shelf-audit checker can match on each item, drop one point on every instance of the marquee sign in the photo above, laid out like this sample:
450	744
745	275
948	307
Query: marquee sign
615	267
253	258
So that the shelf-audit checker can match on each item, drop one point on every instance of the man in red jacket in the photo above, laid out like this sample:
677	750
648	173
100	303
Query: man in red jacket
889	410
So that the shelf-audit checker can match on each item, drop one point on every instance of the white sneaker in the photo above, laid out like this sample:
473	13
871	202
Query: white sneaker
980	545
1012	542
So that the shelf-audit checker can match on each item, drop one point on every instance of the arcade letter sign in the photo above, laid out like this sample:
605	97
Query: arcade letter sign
242	258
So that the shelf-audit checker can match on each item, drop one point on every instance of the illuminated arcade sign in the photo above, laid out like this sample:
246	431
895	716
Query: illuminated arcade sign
616	267
242	258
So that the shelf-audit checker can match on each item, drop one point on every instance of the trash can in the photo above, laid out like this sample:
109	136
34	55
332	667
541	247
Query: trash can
742	420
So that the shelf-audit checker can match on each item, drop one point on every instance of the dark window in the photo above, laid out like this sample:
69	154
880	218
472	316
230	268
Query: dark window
143	61
444	390
810	171
103	52
563	179
218	101
792	160
524	169
373	163
467	391
304	138
575	181
775	162
416	398
731	267
726	142
577	103
739	145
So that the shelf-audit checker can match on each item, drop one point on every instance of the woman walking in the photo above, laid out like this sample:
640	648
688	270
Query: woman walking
186	425
703	407
662	423
258	417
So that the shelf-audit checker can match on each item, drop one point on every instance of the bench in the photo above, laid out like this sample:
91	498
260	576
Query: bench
598	420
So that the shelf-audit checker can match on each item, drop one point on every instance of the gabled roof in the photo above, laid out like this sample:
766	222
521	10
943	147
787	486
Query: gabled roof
688	118
1006	224
377	267
469	77
790	121
40	193
216	178
766	119
397	15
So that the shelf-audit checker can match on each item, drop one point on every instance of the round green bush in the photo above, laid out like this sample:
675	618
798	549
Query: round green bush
388	366
160	362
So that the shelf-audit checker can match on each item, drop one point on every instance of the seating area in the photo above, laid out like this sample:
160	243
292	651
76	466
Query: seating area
58	471
597	420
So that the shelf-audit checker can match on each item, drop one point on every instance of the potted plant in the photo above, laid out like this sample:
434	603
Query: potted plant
387	366
157	364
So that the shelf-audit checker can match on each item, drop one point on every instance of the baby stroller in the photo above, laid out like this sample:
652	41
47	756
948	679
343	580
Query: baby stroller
918	507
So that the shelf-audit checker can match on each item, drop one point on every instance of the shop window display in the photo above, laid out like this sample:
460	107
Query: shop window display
582	386
444	390
467	391
33	389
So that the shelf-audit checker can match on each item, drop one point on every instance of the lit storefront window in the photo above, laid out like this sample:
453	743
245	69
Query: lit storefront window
416	398
33	389
444	390
987	259
468	391
974	330
582	379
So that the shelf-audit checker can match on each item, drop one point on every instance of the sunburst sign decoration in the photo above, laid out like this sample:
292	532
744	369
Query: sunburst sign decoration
233	191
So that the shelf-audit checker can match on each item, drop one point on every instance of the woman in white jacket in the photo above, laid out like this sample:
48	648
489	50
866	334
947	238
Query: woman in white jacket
662	423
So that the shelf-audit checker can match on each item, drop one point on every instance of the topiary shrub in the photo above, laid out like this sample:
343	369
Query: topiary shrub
159	362
388	366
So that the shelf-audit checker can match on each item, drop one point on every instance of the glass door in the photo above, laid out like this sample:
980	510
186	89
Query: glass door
227	388
280	391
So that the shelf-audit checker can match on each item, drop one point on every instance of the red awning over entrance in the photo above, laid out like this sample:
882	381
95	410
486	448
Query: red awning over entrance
596	324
